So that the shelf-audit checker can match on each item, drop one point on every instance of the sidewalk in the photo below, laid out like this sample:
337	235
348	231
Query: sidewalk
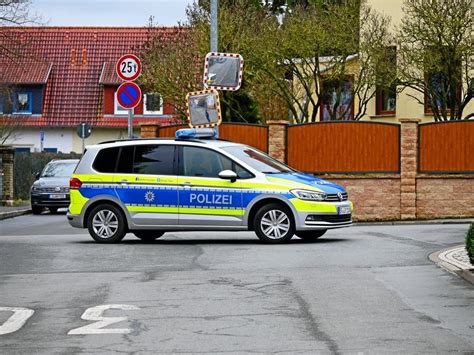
455	260
10	212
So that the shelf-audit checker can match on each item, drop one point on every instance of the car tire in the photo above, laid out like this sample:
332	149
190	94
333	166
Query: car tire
53	210
148	235
274	224
310	236
106	224
36	209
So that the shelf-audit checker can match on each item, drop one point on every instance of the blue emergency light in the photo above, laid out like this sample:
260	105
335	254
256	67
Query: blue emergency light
189	133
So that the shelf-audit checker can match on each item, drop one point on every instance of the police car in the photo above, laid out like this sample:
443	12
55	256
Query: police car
149	187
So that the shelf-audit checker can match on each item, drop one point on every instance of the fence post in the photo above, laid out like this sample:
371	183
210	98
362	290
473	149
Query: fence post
7	155
149	130
277	131
408	167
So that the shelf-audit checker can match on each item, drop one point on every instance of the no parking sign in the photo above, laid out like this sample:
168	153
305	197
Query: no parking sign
129	95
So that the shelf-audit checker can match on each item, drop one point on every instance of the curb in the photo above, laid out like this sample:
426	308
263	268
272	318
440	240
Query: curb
466	274
11	214
415	222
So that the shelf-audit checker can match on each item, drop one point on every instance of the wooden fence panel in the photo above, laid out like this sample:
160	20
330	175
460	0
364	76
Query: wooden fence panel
253	135
446	147
344	147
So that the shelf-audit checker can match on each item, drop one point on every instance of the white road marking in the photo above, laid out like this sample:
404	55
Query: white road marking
17	319
95	314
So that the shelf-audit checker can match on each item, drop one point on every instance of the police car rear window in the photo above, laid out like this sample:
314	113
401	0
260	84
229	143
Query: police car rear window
153	159
106	160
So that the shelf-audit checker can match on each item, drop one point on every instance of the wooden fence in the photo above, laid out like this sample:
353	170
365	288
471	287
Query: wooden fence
250	134
344	147
446	147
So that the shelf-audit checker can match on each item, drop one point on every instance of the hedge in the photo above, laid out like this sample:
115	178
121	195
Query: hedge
27	165
470	243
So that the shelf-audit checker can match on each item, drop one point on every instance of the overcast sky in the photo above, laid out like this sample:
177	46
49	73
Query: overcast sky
110	12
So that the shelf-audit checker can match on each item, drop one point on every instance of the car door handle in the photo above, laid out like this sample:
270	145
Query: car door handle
124	182
187	183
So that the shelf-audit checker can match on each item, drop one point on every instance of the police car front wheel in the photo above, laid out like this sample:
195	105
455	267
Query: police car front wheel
274	224
106	224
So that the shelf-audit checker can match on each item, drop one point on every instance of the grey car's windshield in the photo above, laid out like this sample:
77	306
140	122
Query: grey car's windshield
58	169
258	160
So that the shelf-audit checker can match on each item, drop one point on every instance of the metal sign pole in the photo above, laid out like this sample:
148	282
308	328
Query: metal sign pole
130	123
214	32
83	126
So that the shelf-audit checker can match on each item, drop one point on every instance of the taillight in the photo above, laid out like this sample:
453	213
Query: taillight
75	184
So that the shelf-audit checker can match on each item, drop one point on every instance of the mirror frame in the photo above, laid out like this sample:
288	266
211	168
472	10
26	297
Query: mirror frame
218	108
223	55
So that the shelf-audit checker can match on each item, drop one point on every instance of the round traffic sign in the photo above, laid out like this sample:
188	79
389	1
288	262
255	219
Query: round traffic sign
128	67
84	130
129	95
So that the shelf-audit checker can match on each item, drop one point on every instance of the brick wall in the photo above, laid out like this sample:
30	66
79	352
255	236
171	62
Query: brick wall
444	196
6	155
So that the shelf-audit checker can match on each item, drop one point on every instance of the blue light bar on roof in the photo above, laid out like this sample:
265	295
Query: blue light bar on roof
189	133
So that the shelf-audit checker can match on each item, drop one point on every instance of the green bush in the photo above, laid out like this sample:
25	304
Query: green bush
470	243
27	165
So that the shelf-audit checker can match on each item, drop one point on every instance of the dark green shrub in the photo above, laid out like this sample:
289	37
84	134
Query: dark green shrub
470	243
25	167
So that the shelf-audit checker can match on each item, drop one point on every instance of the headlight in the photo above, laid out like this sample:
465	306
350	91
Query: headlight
35	189
309	195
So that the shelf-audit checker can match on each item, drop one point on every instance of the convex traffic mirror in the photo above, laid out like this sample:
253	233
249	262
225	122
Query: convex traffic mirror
204	108
223	71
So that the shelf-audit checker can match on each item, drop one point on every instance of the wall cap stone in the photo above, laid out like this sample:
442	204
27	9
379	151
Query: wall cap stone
277	122
445	176
409	120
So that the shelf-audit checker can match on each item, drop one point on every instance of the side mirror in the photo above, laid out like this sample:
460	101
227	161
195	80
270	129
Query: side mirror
37	176
228	175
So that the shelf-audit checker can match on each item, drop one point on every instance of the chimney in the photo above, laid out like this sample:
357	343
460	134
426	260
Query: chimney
84	56
73	57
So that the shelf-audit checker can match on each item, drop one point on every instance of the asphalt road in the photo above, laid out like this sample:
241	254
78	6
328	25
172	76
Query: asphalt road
366	289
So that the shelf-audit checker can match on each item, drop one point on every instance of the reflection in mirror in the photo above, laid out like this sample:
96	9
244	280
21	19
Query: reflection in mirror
204	108
223	71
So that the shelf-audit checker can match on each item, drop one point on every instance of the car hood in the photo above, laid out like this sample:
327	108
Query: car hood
52	182
297	179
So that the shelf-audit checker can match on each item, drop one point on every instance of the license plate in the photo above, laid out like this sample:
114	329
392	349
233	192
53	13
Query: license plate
57	196
344	210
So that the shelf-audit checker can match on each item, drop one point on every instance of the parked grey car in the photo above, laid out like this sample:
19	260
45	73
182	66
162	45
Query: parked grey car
51	189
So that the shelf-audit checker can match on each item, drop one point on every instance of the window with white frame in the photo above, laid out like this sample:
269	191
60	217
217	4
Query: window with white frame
119	110
152	104
23	102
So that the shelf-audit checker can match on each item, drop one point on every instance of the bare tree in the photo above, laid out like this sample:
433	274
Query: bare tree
436	55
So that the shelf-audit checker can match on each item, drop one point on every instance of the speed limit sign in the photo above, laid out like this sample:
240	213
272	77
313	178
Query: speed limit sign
129	67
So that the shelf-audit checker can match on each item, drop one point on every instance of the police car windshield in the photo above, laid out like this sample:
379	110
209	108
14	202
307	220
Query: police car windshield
258	160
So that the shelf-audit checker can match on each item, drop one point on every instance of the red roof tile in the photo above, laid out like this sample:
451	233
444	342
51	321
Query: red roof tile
24	72
77	56
109	75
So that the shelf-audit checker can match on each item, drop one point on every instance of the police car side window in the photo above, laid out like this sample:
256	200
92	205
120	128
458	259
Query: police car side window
153	159
106	160
204	162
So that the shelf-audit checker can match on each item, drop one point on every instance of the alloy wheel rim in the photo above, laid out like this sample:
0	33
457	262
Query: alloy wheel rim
105	224
275	224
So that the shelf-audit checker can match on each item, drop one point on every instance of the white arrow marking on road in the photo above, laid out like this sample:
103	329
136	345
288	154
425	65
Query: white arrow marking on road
17	319
95	314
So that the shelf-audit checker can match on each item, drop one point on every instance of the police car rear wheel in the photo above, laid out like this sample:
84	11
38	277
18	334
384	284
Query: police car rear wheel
274	224
148	236
106	224
310	236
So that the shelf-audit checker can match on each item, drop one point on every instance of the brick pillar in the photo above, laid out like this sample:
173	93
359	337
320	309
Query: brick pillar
408	165
149	130
7	155
277	139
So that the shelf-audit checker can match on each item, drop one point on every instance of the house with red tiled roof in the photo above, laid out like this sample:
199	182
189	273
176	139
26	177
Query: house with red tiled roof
60	77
